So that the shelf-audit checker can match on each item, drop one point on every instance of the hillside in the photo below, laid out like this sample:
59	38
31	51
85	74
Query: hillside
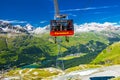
23	50
3	44
110	55
19	50
85	43
33	74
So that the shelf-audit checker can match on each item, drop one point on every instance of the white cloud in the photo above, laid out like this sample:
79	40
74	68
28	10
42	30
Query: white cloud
13	21
98	12
72	15
88	8
43	22
93	26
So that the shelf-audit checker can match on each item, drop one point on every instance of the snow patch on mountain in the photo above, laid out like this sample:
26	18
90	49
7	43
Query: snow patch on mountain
18	26
40	30
28	27
9	28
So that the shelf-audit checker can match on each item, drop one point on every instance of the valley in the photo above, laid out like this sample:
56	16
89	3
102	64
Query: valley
26	52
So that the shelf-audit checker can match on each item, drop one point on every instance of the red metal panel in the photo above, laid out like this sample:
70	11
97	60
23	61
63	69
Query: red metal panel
62	33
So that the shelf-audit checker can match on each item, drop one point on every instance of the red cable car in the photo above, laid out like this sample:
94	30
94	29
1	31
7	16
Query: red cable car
61	28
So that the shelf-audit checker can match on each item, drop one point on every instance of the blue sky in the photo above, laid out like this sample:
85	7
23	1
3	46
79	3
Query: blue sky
40	12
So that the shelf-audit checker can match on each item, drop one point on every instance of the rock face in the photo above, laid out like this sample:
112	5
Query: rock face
9	28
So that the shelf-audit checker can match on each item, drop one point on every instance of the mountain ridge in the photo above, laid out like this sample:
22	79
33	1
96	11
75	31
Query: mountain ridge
86	27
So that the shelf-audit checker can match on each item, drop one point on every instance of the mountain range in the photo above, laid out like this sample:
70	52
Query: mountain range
89	40
86	27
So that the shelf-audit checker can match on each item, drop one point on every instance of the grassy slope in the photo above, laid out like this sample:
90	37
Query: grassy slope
3	43
33	74
85	37
45	43
110	55
25	47
118	78
82	37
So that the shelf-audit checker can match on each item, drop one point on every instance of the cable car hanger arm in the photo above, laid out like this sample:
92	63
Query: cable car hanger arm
57	12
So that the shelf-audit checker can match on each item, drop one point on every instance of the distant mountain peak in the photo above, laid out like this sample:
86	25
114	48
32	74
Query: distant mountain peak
40	30
29	27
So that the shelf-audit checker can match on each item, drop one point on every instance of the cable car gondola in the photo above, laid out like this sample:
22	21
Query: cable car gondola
61	26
